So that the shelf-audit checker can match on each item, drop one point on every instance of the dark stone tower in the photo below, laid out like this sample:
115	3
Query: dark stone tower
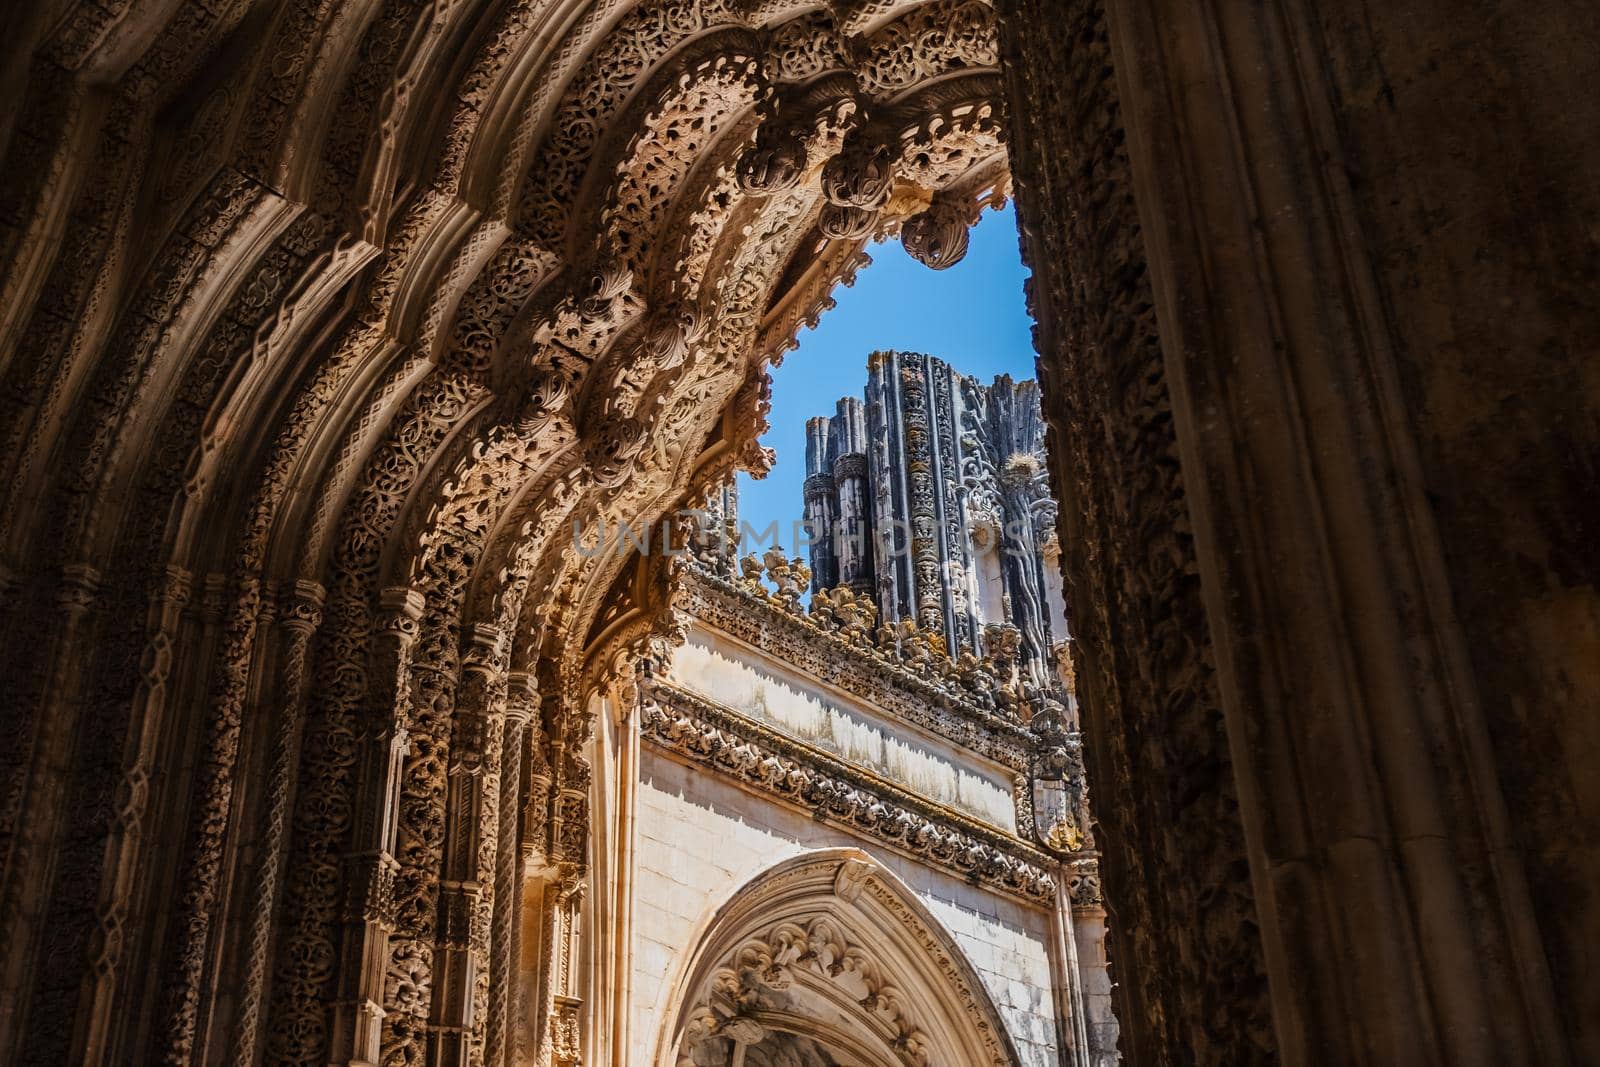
933	495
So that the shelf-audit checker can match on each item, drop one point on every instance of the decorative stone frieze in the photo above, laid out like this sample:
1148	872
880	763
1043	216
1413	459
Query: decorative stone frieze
761	758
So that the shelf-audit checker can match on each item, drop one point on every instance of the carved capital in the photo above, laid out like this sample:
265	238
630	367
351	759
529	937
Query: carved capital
399	612
369	888
522	698
175	587
459	908
300	607
1083	884
850	465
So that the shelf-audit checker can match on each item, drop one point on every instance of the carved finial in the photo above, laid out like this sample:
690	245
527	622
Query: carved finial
859	176
937	238
751	567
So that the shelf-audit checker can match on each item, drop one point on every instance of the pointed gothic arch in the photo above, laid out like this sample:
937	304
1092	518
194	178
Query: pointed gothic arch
830	949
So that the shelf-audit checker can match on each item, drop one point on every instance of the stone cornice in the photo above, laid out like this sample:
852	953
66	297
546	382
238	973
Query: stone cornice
923	698
827	787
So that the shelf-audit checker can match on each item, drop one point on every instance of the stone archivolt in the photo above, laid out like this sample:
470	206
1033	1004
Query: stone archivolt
422	286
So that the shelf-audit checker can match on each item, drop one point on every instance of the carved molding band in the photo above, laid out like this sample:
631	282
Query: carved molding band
827	787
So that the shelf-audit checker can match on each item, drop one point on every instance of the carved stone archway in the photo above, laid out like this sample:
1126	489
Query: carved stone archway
321	321
833	951
326	446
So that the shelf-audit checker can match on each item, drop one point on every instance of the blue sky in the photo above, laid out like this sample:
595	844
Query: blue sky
973	316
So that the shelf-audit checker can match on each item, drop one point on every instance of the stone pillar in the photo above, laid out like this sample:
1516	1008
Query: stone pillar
466	885
368	918
854	543
31	810
505	985
556	829
1094	971
301	614
1368	785
1366	234
608	940
821	511
886	464
99	1012
533	938
853	547
1174	858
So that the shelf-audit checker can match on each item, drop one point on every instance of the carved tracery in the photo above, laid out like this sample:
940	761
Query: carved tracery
816	948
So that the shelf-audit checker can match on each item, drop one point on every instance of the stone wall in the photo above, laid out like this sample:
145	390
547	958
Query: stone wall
1366	239
782	697
1490	272
701	838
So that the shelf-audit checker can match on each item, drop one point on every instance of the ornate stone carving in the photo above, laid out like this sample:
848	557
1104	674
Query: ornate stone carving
847	222
859	176
775	162
787	945
937	237
697	730
493	318
613	450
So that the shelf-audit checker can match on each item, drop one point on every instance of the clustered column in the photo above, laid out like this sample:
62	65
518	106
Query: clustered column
358	1011
466	887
